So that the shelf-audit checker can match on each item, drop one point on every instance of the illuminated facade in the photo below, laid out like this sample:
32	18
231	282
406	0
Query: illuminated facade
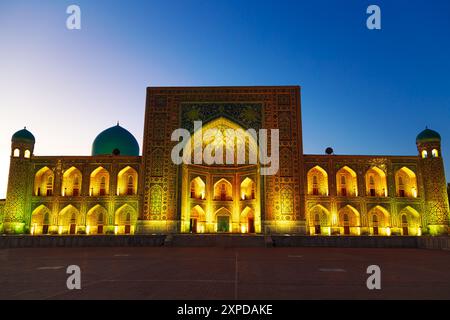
118	191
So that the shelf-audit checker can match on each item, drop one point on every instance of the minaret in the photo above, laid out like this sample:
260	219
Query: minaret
434	183
17	212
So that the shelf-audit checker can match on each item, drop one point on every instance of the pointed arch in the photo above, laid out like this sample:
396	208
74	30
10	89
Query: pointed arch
406	183
125	219
72	182
223	220
233	142
197	188
223	190
197	219
346	181
40	220
410	221
319	220
96	218
376	185
379	220
248	189
349	220
317	179
68	220
44	182
127	182
99	183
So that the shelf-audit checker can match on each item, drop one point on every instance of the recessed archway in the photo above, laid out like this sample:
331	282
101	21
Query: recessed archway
40	220
68	220
410	222
125	220
223	190
379	221
127	182
319	220
406	183
72	179
349	220
44	182
317	181
99	184
223	220
248	191
96	219
198	189
346	182
376	185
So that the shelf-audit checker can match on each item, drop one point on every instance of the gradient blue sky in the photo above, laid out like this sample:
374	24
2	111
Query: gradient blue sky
363	92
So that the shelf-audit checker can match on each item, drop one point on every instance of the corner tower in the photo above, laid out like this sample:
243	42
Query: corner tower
434	183
18	198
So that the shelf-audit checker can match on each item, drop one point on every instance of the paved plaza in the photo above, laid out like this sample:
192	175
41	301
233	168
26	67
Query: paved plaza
223	273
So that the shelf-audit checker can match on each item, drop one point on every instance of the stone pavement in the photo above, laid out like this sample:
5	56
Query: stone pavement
223	273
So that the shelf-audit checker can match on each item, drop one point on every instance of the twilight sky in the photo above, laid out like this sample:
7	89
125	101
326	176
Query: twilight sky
363	91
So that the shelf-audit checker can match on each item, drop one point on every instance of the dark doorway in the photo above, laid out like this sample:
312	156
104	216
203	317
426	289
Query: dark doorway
73	228
193	225
251	225
223	224
347	230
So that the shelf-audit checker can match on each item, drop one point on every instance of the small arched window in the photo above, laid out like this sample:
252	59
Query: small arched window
100	218
315	180
343	180
424	154
345	217
435	153
27	154
400	181
317	219
374	218
16	153
404	219
371	180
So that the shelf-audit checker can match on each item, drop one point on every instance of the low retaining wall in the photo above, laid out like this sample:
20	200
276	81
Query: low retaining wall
81	241
442	243
224	240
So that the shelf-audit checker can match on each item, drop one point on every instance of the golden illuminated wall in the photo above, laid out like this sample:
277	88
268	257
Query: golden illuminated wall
169	109
378	181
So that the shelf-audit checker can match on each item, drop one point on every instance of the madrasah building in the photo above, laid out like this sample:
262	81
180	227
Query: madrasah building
117	190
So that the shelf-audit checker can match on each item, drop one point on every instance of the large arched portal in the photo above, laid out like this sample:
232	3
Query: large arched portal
220	175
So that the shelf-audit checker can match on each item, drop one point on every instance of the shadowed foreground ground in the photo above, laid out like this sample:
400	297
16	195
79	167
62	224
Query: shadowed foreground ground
224	273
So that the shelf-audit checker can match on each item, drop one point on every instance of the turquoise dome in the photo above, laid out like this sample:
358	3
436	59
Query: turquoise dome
23	136
428	135
115	141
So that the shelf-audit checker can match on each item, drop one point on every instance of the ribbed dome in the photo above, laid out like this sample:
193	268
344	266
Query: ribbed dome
23	136
428	135
115	141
